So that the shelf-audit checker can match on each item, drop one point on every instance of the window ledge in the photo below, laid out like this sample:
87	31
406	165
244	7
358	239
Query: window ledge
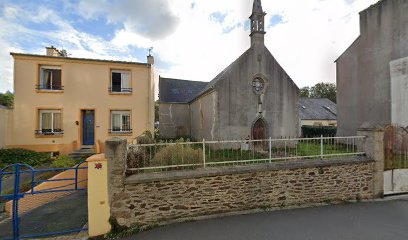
49	135
49	91
120	93
127	133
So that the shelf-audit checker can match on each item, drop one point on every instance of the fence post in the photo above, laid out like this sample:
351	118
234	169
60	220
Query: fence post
204	152
270	150
321	146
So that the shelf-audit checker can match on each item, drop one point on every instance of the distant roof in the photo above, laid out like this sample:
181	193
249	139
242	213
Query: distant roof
317	109
179	91
71	58
2	106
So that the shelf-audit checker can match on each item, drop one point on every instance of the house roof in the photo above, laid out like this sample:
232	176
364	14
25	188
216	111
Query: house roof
179	91
4	107
78	59
317	109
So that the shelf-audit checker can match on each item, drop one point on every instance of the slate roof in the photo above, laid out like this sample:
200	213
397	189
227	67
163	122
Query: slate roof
179	91
317	109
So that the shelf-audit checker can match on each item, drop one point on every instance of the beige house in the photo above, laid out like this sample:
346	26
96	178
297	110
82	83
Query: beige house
63	104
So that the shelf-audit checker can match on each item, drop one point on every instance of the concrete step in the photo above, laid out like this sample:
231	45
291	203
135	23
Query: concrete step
83	152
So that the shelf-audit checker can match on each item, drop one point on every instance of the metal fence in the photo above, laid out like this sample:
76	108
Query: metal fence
180	155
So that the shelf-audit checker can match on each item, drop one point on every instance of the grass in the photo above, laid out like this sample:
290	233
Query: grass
172	155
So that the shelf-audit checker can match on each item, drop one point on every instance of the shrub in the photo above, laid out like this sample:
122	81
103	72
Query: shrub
63	161
19	155
145	138
317	131
177	154
136	158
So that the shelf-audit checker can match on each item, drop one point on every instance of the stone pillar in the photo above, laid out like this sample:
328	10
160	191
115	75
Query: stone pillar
373	146
116	154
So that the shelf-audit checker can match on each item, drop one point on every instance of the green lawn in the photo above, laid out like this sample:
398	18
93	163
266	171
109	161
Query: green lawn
179	155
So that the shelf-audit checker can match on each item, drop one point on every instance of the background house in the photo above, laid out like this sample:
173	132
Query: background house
63	104
253	97
317	112
372	74
4	114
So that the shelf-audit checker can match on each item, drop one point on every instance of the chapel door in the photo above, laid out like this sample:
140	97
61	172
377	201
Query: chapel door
259	130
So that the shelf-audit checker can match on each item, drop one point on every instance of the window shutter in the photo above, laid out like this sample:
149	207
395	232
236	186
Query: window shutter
126	80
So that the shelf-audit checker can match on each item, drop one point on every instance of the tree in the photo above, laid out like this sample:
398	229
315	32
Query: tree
305	92
324	90
320	90
7	99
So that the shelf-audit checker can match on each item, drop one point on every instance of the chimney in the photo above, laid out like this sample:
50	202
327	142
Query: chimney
53	52
150	60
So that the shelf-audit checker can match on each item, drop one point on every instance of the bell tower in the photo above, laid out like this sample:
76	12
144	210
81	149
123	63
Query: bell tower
257	24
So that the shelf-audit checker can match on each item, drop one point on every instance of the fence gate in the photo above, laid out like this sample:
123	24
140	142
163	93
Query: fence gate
396	159
30	189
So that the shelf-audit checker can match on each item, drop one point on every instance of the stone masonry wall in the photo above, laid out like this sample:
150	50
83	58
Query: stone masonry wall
159	198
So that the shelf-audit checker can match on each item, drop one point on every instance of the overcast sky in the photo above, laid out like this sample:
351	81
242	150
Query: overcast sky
192	39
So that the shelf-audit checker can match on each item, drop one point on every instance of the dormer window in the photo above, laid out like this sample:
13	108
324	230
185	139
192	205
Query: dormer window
50	78
120	82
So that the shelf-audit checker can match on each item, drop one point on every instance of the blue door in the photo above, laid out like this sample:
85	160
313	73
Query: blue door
88	127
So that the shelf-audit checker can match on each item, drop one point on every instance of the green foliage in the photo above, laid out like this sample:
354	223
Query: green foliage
137	158
7	99
317	131
19	155
63	161
320	90
177	154
324	90
145	138
305	92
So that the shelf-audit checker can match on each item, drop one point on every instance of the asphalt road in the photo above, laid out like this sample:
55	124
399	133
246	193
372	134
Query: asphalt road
373	220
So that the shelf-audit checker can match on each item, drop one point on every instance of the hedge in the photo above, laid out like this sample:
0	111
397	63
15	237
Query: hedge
19	155
317	131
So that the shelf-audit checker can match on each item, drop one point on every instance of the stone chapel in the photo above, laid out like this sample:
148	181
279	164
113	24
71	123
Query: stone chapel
252	98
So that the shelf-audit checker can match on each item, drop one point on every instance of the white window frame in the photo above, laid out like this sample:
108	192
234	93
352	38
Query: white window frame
40	112
122	85
121	113
48	67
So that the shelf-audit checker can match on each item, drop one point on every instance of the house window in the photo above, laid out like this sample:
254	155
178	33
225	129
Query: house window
120	82
50	78
50	122
120	122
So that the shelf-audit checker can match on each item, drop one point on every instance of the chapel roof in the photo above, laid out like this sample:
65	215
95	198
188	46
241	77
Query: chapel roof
179	91
317	109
